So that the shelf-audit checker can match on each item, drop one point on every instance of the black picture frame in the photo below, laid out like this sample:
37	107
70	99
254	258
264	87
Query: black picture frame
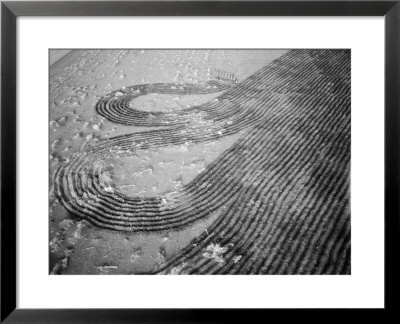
10	10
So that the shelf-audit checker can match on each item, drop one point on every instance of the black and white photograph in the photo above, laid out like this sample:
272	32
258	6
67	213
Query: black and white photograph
199	161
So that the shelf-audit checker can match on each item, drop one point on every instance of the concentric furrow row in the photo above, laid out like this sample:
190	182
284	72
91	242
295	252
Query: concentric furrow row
283	187
116	106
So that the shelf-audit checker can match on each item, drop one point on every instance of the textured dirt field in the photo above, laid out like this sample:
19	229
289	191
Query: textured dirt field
147	175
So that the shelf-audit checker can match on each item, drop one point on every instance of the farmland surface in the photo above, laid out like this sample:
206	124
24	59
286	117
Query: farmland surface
200	162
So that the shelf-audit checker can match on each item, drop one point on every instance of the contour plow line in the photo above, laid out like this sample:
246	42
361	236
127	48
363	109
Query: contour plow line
283	187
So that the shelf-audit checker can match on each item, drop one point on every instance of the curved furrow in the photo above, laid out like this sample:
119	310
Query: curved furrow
282	187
